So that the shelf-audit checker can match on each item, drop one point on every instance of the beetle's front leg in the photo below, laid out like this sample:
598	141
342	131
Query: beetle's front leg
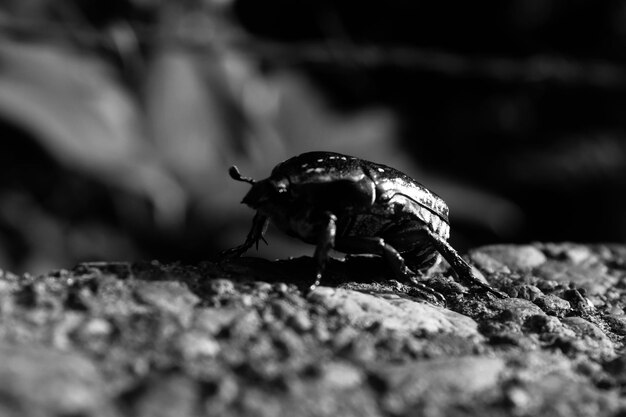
463	269
325	244
256	233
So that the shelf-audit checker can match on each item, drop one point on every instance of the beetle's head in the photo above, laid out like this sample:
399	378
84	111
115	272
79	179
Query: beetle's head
264	194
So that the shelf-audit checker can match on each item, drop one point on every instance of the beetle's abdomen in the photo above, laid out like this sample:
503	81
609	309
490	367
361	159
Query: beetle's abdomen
405	207
406	235
422	259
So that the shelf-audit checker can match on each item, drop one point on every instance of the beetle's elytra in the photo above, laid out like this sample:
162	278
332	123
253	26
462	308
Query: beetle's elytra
355	206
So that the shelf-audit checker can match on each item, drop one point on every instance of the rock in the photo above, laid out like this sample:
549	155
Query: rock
222	392
309	399
516	309
95	334
251	344
617	368
521	257
282	309
194	345
575	253
543	324
341	375
553	305
594	278
617	323
591	339
170	297
526	291
488	264
38	381
460	378
221	287
300	322
167	395
579	254
212	319
563	395
393	312
245	325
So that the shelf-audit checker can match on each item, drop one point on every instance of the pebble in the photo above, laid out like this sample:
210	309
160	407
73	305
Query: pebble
300	322
594	278
514	256
167	395
517	309
212	320
262	287
245	325
543	324
617	323
282	309
617	368
195	345
488	264
341	375
221	287
392	312
171	297
526	291
281	288
591	339
578	254
553	305
41	381
408	382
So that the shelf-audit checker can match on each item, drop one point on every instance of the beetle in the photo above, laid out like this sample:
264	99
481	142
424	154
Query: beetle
354	206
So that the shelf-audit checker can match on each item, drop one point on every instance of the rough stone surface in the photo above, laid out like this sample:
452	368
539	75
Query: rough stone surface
553	305
512	256
392	312
241	338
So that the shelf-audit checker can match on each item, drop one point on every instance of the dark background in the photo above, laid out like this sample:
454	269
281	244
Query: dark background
119	119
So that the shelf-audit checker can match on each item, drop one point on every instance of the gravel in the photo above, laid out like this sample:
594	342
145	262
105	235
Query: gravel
242	338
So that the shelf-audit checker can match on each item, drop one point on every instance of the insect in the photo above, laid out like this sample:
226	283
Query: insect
355	206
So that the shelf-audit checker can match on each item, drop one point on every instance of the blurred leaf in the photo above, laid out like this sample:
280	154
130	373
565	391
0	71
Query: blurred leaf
188	117
80	114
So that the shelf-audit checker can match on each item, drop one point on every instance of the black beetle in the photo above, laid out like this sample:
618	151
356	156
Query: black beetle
355	206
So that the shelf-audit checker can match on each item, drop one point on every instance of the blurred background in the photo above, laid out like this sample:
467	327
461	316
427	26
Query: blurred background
119	119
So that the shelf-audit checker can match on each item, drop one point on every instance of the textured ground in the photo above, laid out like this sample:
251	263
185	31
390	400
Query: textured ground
240	339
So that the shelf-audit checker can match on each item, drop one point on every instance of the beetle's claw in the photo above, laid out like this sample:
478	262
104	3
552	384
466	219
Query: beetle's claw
428	294
495	292
231	253
318	279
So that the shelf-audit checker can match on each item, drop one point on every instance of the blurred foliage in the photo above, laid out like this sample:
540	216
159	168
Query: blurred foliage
119	119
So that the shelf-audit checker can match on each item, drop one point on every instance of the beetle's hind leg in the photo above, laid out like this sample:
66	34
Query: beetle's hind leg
378	246
462	269
256	233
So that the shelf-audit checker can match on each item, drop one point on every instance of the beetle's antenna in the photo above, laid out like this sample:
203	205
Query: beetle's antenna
236	175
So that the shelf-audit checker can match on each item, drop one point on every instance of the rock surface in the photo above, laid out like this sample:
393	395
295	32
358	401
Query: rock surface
240	338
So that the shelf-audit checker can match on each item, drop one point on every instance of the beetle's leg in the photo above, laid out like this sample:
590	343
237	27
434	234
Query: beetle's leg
325	244
378	246
259	226
463	269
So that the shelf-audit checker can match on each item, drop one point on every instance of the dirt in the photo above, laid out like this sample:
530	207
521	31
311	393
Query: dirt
242	338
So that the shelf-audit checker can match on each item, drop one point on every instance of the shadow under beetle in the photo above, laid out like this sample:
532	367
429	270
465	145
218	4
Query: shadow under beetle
340	202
